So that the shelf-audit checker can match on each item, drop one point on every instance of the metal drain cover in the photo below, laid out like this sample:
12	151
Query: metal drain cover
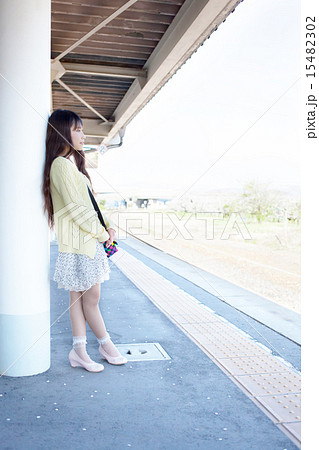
150	351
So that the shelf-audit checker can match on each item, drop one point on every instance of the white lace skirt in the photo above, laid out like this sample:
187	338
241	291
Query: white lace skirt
76	272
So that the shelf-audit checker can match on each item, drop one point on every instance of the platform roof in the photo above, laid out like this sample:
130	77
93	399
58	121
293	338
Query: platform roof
109	58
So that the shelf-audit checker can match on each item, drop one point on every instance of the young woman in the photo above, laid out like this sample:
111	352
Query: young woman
82	263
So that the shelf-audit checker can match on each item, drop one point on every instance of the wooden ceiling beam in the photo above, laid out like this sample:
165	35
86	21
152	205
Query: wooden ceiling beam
104	71
96	28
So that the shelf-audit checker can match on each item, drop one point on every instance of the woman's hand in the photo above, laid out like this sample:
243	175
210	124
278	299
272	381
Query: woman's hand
112	235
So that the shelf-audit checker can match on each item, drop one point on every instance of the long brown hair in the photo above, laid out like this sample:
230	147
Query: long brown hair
58	138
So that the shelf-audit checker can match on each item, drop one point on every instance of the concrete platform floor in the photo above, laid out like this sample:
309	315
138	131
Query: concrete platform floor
183	403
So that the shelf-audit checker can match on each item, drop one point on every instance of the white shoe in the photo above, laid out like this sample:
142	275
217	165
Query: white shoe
76	361
116	360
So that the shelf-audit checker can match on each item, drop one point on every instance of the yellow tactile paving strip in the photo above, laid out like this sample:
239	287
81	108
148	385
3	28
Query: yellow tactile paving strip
270	383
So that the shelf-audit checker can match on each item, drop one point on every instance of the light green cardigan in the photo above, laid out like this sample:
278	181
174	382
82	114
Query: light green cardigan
77	225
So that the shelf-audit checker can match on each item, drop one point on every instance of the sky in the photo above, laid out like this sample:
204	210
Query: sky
238	95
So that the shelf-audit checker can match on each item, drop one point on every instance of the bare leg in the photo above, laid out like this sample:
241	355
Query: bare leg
94	318
78	323
92	312
76	314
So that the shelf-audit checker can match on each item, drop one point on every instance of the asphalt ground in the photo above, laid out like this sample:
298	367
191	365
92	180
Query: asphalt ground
186	402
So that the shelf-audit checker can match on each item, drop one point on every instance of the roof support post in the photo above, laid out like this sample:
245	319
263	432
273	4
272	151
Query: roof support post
24	231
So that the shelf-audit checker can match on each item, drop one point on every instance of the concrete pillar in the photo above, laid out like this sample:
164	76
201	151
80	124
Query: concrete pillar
24	233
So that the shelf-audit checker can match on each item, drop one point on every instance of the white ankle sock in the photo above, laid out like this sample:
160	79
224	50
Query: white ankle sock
108	345
79	345
79	341
104	339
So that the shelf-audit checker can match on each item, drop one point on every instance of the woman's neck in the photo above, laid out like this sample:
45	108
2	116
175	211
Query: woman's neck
66	155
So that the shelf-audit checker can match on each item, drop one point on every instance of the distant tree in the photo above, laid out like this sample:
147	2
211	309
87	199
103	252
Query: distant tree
228	209
257	200
294	211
